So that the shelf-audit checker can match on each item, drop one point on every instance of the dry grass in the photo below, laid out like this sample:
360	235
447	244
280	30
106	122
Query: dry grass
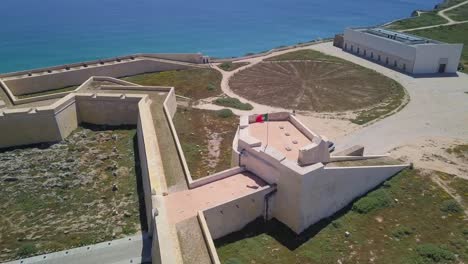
63	196
194	83
312	81
206	140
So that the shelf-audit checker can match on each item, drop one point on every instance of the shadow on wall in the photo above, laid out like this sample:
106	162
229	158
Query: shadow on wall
282	233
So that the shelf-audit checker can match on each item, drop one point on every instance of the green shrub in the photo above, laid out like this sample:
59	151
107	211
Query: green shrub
434	253
336	223
27	250
233	261
225	113
401	232
233	103
226	66
450	206
211	87
374	200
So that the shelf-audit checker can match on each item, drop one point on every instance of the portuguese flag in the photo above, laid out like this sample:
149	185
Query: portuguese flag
261	118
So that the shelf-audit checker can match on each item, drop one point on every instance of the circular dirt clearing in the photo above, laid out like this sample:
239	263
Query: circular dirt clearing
314	85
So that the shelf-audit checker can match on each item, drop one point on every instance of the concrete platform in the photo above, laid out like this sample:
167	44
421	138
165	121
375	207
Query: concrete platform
185	204
134	249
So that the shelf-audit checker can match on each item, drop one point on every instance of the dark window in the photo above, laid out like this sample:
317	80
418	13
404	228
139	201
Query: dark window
378	58
442	68
346	46
395	63
372	55
386	60
352	48
365	52
404	66
357	50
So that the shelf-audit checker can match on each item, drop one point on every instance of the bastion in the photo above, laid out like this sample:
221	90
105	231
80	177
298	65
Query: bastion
281	168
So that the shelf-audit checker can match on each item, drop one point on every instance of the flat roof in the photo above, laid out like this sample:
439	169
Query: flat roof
282	135
185	204
398	36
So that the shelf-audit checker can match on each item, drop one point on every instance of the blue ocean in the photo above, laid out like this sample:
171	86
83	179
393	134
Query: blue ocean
38	33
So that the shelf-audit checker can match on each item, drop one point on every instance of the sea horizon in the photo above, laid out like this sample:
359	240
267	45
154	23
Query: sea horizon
53	32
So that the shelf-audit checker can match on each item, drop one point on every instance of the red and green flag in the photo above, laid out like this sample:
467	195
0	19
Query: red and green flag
261	118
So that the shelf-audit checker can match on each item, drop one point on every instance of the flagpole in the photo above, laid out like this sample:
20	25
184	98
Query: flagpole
268	122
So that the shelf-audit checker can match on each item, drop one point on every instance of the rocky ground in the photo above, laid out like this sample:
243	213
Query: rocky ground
80	191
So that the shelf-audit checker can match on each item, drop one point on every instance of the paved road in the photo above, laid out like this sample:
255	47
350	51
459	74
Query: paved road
438	108
134	249
442	14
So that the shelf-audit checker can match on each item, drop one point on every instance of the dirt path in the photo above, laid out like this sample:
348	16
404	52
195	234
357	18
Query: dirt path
327	124
442	14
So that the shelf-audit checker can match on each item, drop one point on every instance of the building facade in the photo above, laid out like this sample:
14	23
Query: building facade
403	52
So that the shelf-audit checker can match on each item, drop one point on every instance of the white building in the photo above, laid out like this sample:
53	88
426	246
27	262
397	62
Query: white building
404	52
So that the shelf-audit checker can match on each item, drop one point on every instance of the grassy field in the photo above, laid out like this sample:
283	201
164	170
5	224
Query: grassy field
193	83
230	66
81	191
312	81
425	19
233	103
459	14
451	34
54	91
409	219
448	3
206	139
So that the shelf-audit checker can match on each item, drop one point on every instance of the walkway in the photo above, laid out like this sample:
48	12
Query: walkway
185	204
442	14
135	249
438	108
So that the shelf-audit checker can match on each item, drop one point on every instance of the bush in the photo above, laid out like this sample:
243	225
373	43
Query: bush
226	66
401	232
211	87
233	102
225	113
434	253
336	223
27	250
374	200
450	206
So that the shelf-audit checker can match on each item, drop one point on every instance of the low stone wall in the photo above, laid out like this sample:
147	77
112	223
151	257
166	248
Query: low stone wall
26	126
76	76
195	58
216	177
232	216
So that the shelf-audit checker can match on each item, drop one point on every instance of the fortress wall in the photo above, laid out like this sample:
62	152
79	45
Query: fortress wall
262	164
185	57
25	127
170	103
109	109
56	80
328	190
232	216
301	127
208	238
66	116
216	177
179	57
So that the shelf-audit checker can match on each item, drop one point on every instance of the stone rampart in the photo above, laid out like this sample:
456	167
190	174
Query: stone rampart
232	216
76	76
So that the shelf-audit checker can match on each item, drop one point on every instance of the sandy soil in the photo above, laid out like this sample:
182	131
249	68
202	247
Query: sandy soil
431	153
